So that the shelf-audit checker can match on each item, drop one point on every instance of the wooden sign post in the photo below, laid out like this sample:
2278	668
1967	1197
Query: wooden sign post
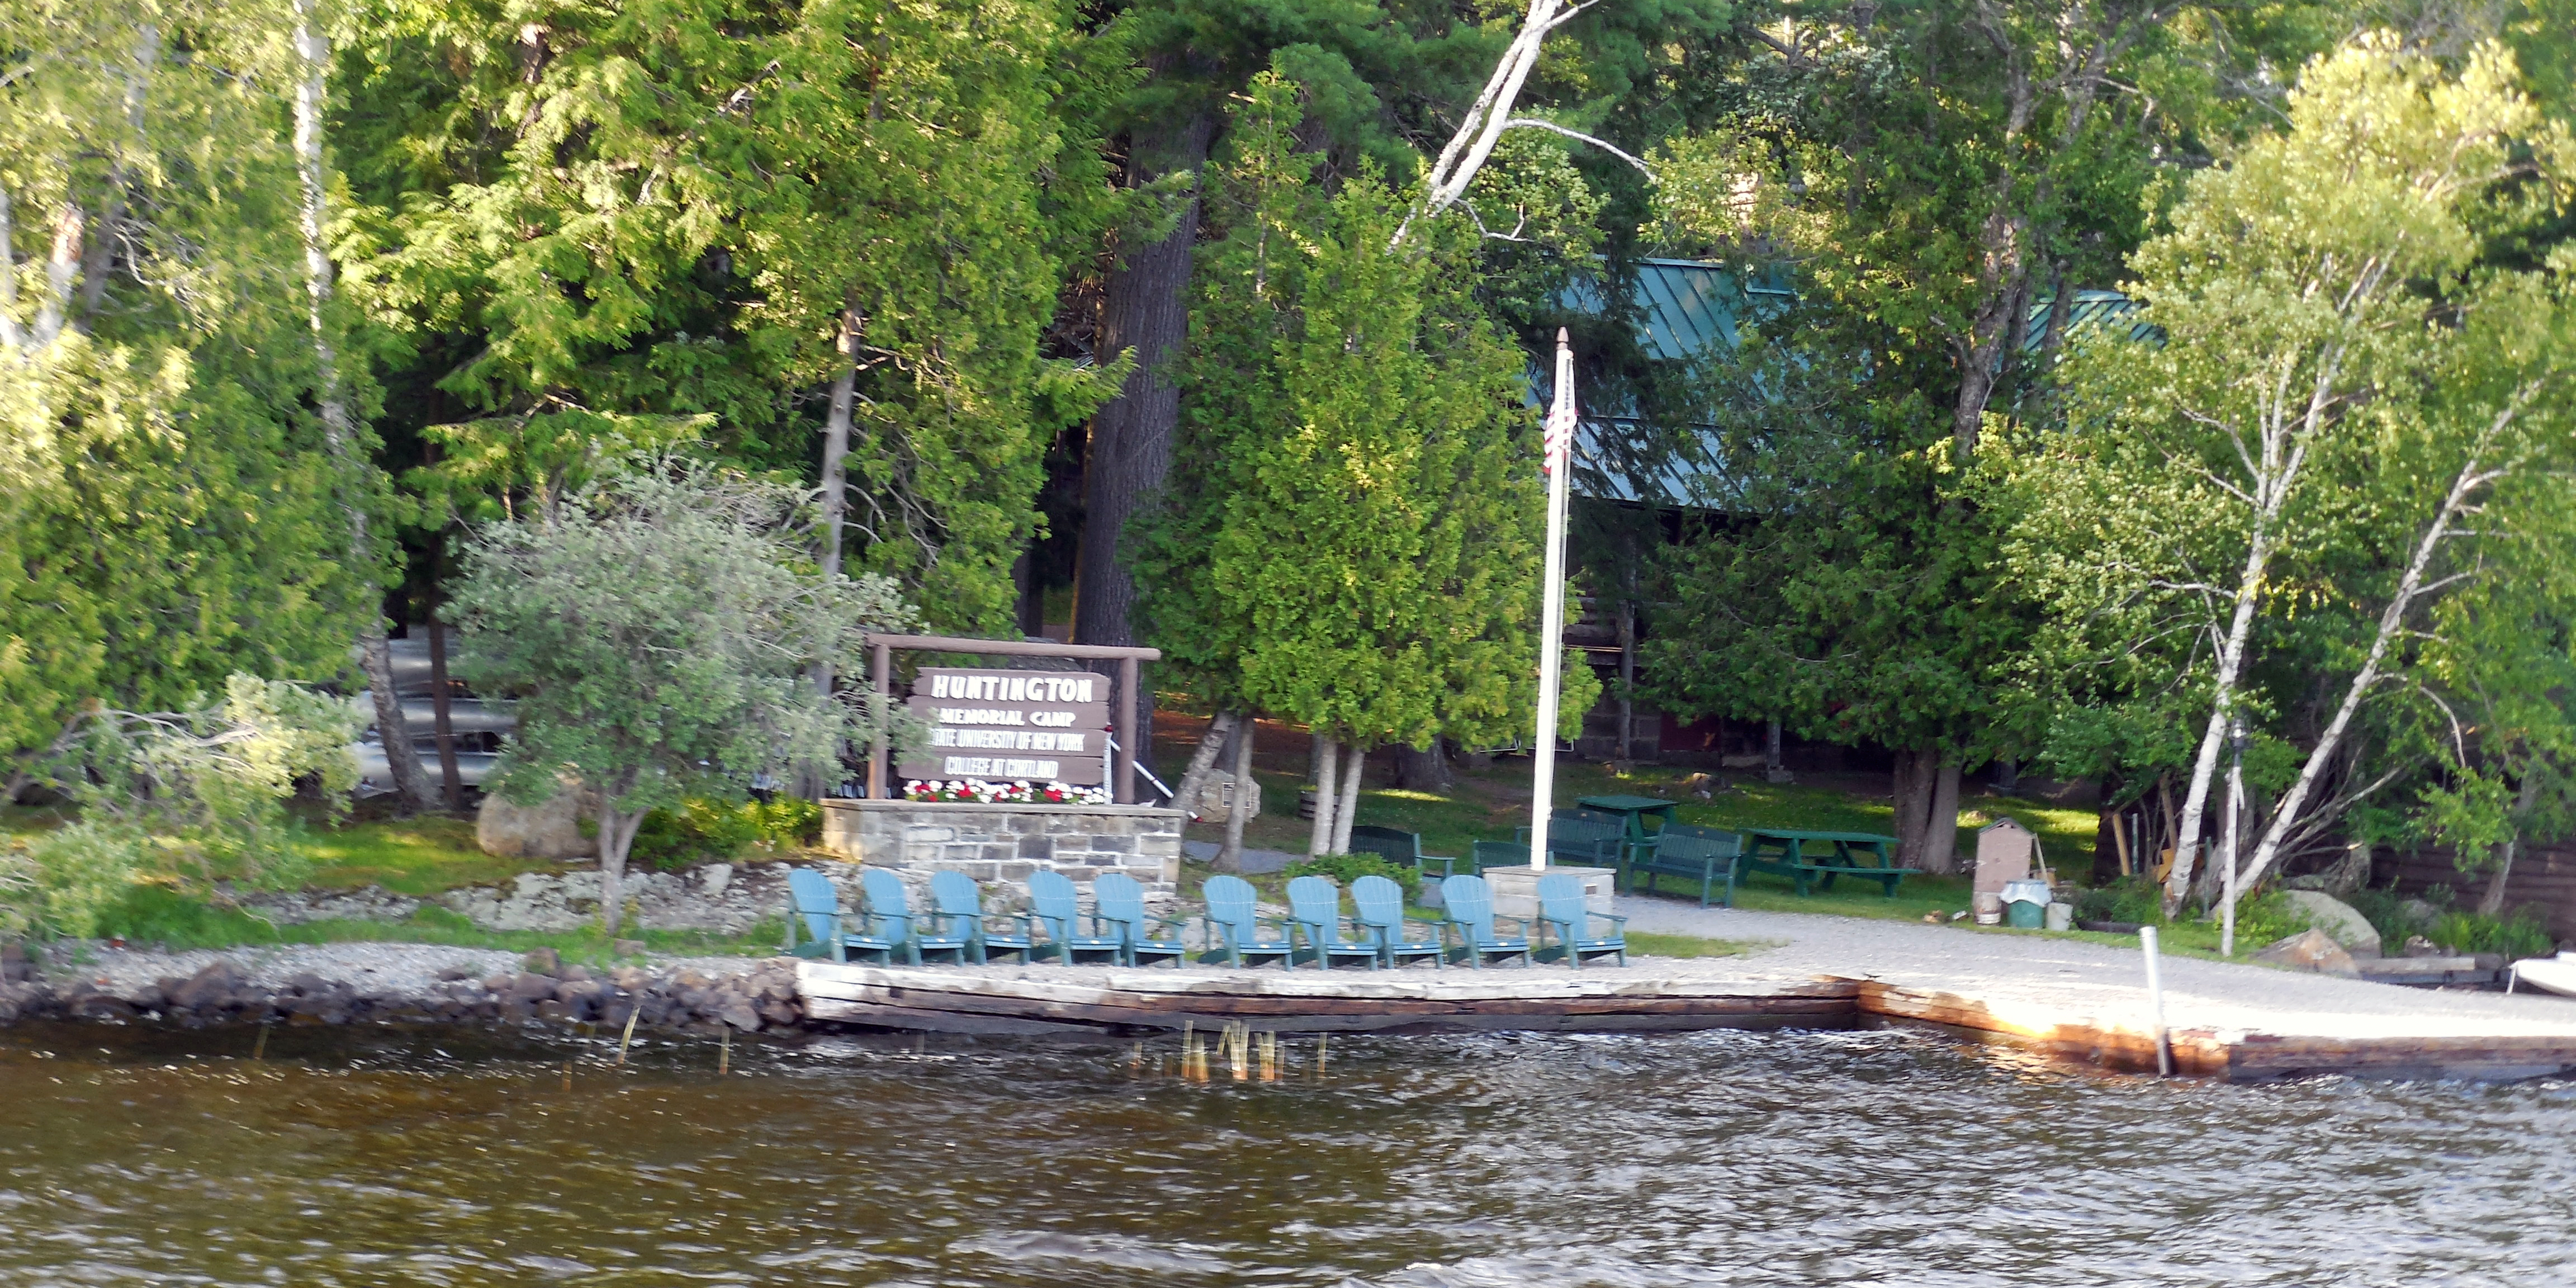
1005	725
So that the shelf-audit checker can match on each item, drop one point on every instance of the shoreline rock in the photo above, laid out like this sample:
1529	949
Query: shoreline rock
331	984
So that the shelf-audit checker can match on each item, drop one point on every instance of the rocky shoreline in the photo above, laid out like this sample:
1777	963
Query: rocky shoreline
361	983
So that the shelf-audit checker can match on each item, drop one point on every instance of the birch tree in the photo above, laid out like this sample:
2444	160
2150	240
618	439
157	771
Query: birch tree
169	511
2332	379
345	438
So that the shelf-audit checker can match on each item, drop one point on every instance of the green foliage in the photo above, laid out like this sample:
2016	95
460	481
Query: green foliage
2230	513
170	508
2523	934
1346	868
676	210
2388	913
1350	537
657	629
713	831
2266	918
2135	900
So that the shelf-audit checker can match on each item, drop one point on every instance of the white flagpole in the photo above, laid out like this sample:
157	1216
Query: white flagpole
1559	445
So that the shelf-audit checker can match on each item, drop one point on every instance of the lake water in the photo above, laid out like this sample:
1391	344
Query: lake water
364	1158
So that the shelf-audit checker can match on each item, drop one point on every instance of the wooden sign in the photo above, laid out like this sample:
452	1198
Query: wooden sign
1006	726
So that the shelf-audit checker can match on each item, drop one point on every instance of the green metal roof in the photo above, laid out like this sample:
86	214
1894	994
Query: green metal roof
1685	308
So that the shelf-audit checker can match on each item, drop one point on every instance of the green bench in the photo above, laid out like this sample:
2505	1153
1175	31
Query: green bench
1403	849
1702	854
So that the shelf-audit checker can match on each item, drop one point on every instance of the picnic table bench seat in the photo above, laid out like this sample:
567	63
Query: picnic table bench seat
1823	874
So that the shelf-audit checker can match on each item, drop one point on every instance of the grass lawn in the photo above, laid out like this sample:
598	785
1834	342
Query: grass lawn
416	856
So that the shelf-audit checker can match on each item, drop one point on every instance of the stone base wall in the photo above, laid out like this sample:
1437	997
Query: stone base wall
1008	842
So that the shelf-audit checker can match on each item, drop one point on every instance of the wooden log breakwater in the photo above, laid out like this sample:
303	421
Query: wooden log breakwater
1123	1000
1132	1001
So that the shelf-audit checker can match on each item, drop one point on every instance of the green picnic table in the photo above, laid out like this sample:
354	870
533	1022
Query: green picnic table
1634	809
1783	852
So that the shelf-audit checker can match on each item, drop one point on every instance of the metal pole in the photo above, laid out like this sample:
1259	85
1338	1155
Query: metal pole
882	667
2156	1003
1558	444
1130	714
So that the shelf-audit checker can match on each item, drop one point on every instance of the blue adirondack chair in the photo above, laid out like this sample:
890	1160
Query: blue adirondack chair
1561	907
1469	903
960	901
1234	924
815	906
1121	902
1380	905
1054	907
891	908
1315	909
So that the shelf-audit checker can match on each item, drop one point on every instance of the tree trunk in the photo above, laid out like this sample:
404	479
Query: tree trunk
1328	754
616	836
1350	807
1194	779
2491	903
1426	770
451	784
1941	821
1627	678
1143	310
402	760
1914	776
1772	772
1229	858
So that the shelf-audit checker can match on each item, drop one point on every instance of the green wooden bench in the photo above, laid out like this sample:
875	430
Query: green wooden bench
1861	855
1404	849
1583	838
1702	854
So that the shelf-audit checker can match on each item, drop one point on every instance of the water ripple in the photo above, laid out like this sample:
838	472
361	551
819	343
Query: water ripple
1866	1158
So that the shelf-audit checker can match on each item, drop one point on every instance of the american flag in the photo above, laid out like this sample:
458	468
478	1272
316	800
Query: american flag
1559	440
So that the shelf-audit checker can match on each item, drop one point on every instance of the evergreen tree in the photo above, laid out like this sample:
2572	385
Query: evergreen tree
682	210
1356	546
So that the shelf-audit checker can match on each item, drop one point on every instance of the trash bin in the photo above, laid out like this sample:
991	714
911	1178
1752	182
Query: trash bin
2025	904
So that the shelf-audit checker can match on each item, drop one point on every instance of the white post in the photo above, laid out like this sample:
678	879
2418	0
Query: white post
2156	1003
1559	442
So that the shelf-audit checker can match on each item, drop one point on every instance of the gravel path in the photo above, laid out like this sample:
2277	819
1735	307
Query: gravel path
2074	980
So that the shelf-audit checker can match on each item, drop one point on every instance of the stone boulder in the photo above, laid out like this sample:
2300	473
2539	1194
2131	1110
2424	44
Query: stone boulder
548	830
2340	920
2310	949
1216	793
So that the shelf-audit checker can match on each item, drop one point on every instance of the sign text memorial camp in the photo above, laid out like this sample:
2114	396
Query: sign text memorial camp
1006	725
1009	725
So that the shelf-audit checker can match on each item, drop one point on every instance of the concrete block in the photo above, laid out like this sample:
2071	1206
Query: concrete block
1516	888
1036	847
1114	844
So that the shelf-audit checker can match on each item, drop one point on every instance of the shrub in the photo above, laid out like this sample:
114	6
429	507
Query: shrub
64	882
2387	913
1346	868
2136	900
700	831
787	822
2520	935
2267	918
